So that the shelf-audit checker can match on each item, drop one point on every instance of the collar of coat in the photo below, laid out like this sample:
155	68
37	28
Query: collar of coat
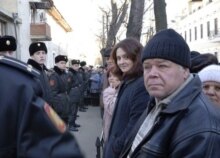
35	65
58	70
181	102
183	99
72	70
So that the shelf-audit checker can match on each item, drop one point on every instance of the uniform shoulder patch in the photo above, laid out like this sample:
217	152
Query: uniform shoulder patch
68	79
52	82
55	119
19	65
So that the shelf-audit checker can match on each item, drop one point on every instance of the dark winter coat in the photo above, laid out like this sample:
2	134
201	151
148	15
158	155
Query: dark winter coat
189	126
29	127
58	83
130	104
76	85
47	94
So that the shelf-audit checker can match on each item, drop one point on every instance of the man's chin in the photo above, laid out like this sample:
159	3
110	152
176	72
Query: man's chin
155	94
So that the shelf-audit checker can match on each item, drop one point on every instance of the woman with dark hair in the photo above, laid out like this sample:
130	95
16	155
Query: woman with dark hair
132	96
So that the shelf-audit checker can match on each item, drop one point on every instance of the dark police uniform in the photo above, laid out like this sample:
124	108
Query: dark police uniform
33	48
75	95
29	126
47	93
58	84
84	86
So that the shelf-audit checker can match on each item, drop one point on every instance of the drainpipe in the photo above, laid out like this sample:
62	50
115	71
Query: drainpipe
15	17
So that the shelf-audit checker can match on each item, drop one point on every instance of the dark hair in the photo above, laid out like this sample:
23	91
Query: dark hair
133	49
200	61
111	70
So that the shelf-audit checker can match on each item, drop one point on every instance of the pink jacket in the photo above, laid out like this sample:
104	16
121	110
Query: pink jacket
109	98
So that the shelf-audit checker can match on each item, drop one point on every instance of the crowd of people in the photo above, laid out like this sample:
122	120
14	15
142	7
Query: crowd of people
178	116
161	100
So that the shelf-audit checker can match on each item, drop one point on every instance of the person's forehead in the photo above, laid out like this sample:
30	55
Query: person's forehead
62	62
120	52
211	83
75	64
40	51
156	60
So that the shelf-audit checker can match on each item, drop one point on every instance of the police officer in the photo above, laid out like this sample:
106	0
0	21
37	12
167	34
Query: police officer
29	126
75	93
84	78
59	87
38	53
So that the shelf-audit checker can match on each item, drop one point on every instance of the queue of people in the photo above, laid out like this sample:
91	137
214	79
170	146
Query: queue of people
29	126
161	100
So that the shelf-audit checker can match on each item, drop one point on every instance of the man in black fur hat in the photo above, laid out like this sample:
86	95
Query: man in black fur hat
38	53
59	85
7	45
75	93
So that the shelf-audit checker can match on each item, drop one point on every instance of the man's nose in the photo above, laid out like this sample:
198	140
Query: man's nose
153	71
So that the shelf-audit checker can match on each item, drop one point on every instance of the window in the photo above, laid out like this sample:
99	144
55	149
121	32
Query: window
208	29
195	30
201	31
33	16
216	26
185	35
2	28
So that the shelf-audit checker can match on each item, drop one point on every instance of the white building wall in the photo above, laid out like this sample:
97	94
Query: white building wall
24	29
200	13
58	44
60	41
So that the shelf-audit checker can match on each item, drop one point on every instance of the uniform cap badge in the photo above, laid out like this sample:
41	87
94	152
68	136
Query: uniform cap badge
8	42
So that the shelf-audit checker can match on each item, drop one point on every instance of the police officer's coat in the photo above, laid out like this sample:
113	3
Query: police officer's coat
29	127
58	83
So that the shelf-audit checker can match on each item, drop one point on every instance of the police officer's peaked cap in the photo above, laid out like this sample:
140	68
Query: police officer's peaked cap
37	46
74	61
82	63
59	58
7	43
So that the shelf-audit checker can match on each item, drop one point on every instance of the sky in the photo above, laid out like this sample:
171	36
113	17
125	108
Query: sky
84	18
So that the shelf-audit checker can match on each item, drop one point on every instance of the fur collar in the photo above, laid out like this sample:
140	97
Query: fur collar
35	65
58	70
72	70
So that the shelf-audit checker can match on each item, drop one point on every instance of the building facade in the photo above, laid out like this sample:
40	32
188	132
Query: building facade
35	20
199	24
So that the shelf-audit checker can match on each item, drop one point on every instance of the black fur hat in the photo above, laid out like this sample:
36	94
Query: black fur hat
59	58
74	61
37	46
7	43
82	63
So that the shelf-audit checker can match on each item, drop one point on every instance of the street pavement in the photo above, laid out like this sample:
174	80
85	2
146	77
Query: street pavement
91	127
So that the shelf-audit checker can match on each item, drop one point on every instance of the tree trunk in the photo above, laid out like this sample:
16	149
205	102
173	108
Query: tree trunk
134	27
118	16
160	14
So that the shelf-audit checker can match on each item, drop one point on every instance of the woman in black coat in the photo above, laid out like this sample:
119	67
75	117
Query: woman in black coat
132	97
